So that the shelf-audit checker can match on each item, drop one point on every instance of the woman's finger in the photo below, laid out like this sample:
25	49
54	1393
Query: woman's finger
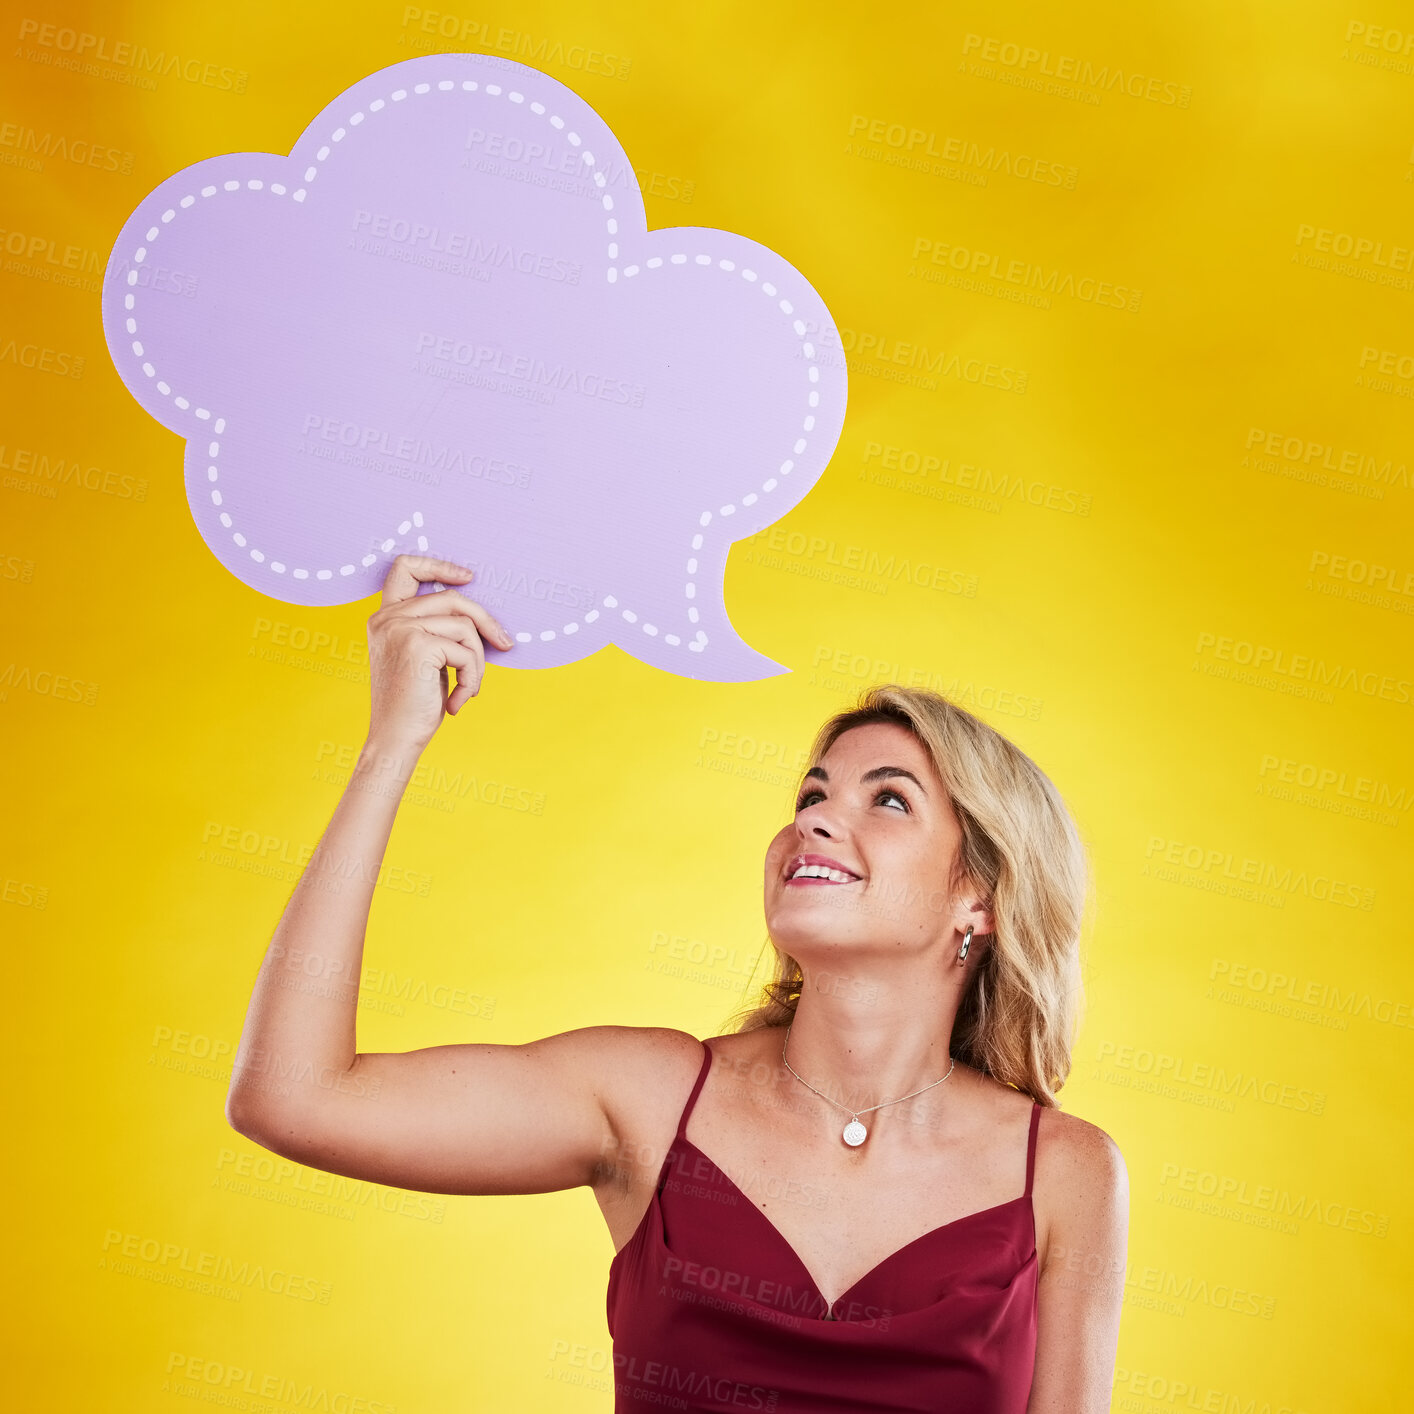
408	571
470	665
451	602
457	627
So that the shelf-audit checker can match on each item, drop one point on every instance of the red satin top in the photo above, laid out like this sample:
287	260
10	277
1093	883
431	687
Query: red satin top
710	1308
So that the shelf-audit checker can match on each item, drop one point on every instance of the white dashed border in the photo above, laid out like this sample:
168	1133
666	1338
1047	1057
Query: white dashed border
699	642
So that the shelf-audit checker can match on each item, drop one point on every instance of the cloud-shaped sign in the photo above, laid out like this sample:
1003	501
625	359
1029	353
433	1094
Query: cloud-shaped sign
441	324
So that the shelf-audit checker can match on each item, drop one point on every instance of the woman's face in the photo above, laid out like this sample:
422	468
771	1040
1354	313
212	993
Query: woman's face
876	810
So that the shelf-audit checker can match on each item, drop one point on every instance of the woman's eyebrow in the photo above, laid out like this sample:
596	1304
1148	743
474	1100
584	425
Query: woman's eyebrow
879	773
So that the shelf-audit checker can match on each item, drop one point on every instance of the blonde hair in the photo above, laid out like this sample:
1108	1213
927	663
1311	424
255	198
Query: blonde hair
1021	849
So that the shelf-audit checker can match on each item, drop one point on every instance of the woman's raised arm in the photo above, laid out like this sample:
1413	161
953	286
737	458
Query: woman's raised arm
447	1119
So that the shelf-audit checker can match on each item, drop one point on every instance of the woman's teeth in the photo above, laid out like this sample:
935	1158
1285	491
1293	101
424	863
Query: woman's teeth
819	871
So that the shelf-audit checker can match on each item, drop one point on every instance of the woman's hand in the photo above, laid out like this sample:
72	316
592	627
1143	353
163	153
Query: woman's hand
413	641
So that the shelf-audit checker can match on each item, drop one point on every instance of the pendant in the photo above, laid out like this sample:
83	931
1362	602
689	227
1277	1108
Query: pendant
855	1134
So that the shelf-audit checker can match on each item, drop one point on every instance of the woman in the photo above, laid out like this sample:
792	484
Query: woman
894	1214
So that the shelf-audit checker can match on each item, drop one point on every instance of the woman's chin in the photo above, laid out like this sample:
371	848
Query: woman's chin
815	939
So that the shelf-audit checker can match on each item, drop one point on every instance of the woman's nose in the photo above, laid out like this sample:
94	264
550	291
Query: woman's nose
816	820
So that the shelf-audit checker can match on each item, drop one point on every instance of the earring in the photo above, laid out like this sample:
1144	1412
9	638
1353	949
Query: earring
966	943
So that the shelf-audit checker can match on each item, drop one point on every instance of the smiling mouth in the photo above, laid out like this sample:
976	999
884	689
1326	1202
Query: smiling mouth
819	874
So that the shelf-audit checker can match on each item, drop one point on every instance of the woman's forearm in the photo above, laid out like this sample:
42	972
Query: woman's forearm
300	1033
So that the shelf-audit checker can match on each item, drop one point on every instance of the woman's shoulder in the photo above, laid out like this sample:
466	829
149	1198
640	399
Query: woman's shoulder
640	1077
1076	1148
643	1061
1080	1194
656	1067
1079	1180
641	1048
647	1072
1069	1142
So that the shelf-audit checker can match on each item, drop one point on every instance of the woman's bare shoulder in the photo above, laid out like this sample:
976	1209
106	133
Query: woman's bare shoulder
642	1062
655	1067
1075	1148
1080	1193
644	1077
1071	1146
626	1039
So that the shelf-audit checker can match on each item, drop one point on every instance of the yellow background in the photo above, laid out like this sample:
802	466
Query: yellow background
172	746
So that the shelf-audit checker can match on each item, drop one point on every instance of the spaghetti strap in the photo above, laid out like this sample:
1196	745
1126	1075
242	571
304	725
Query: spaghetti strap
681	1136
1031	1148
696	1090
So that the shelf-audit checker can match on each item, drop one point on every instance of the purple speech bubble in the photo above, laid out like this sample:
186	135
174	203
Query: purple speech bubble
442	325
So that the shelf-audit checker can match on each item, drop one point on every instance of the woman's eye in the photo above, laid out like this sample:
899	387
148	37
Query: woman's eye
808	798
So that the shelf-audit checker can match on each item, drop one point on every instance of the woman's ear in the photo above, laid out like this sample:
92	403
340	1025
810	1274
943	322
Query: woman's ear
977	913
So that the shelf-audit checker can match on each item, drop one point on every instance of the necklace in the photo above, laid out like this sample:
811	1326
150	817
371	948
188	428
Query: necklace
854	1132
